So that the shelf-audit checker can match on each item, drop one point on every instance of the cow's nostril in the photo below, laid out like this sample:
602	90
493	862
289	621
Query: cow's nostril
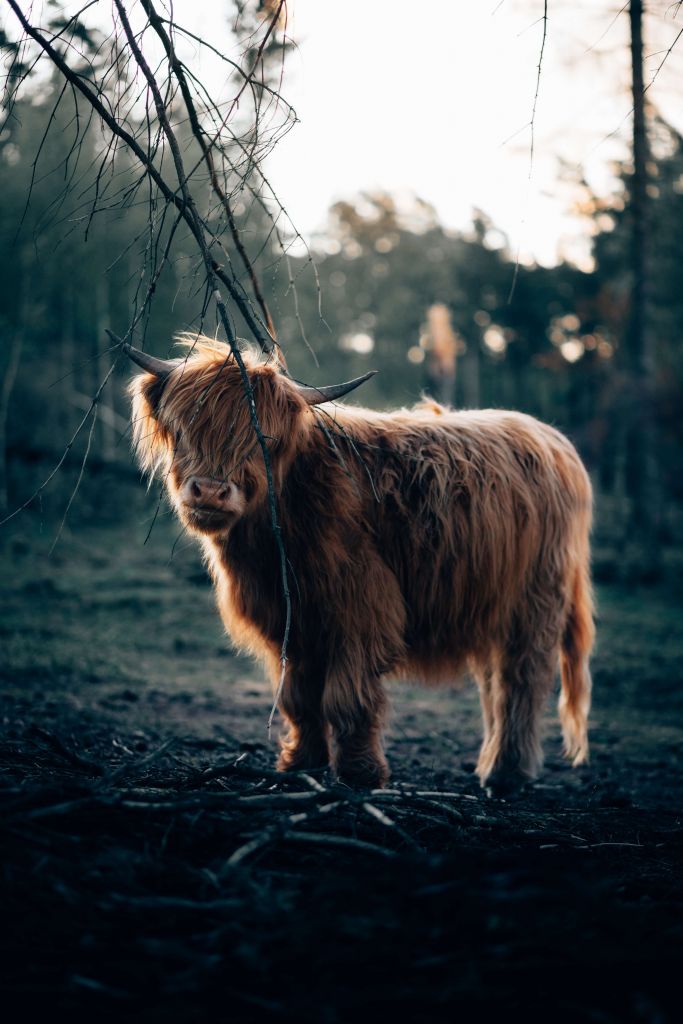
195	489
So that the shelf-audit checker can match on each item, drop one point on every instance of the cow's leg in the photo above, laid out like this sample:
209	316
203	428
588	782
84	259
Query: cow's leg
304	744
356	721
485	678
512	754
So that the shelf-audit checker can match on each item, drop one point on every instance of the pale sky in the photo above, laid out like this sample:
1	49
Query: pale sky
435	98
422	97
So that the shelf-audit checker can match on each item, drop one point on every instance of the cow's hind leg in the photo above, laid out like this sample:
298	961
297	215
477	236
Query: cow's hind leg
511	754
356	723
304	744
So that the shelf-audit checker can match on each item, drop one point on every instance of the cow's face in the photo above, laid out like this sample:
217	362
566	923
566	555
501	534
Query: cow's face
193	428
207	497
192	424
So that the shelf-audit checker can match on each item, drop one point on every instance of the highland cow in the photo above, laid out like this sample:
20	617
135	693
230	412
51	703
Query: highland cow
421	543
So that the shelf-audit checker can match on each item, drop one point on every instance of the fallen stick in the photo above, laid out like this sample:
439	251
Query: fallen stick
323	839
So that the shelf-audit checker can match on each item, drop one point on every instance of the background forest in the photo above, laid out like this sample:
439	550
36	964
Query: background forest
386	286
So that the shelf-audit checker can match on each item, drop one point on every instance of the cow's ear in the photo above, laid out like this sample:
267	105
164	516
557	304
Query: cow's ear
150	438
152	390
276	395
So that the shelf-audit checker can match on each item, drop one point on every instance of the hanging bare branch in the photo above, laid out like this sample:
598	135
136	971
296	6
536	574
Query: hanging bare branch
539	69
152	138
532	127
194	221
200	136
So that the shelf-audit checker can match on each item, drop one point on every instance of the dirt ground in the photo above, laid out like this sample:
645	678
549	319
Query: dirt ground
154	867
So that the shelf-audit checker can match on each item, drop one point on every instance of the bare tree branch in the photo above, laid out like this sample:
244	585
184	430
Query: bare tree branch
199	134
149	141
191	217
532	126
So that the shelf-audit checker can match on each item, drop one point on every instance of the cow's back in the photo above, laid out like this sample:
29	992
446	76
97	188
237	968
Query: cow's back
475	512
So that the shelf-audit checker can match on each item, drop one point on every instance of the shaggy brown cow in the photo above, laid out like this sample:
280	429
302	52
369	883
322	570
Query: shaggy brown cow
420	543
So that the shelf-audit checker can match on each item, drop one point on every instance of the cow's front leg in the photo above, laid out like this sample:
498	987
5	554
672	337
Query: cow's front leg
304	743
356	719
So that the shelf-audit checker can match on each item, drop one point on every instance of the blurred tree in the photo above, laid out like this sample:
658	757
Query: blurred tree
613	249
639	337
382	268
443	347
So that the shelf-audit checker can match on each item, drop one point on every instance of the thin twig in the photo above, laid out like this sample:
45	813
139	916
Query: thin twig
199	134
532	126
126	770
343	842
81	471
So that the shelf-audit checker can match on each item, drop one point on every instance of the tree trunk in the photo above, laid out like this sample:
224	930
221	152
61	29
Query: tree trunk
471	390
9	375
68	357
103	363
641	443
8	380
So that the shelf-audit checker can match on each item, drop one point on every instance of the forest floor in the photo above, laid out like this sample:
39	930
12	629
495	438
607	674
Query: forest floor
153	865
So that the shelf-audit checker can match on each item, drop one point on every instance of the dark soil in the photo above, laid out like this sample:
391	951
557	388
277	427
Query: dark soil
154	867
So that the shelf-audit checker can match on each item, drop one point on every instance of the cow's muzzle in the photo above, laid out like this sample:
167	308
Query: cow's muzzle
211	503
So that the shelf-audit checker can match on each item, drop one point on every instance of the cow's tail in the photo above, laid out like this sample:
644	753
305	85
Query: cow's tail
577	641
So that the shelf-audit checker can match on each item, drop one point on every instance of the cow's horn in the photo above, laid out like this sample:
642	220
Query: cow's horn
314	396
159	367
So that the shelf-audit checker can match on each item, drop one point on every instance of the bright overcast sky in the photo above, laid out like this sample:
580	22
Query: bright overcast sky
435	98
423	96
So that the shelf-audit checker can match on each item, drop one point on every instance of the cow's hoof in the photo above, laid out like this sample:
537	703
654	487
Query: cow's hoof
303	761
364	775
505	783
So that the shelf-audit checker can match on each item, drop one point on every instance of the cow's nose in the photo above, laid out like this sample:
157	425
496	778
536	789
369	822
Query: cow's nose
202	491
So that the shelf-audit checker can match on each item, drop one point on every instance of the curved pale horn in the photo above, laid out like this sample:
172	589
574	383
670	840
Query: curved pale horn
159	367
314	396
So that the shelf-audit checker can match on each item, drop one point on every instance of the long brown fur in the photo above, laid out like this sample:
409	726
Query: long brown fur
420	543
